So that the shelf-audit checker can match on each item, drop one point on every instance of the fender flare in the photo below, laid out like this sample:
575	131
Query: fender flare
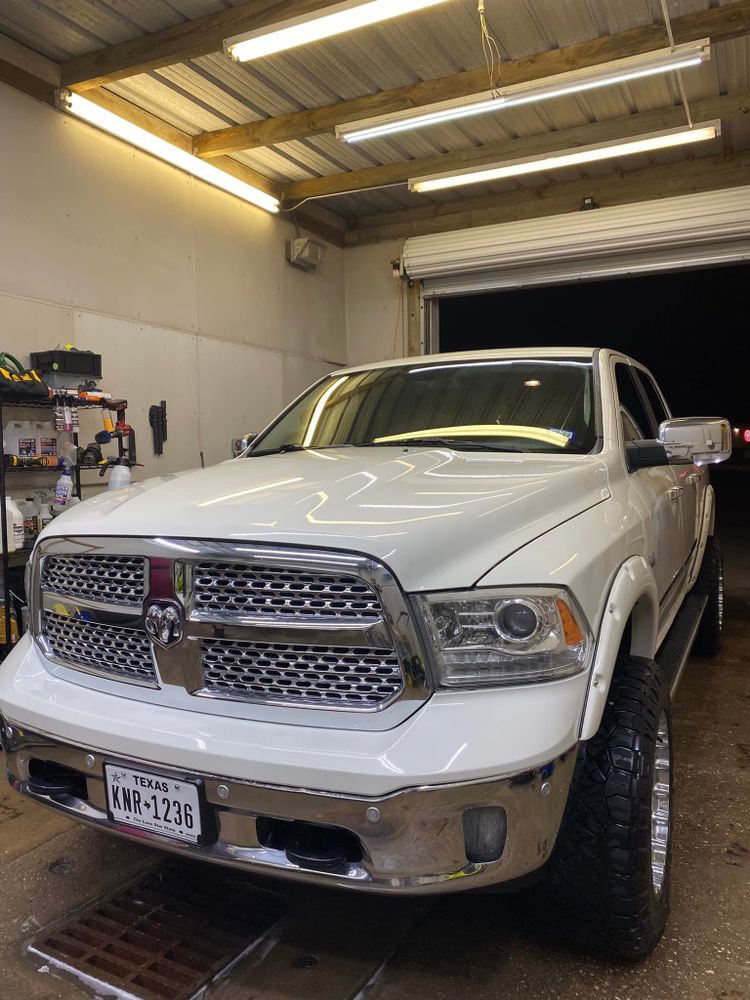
707	525
632	594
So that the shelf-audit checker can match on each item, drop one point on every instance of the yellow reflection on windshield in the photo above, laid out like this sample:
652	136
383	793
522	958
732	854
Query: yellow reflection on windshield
542	434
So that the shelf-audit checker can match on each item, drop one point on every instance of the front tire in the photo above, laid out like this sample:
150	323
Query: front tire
711	583
610	872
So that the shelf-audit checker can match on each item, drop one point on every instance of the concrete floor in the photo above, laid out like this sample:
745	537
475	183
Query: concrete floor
337	946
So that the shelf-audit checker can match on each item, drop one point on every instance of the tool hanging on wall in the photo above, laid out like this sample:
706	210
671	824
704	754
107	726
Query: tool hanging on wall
157	418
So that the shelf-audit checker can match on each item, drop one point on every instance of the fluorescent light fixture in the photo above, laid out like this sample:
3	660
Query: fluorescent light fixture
332	20
563	84
149	143
701	132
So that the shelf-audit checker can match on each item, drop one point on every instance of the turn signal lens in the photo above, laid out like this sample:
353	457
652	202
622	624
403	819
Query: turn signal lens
571	631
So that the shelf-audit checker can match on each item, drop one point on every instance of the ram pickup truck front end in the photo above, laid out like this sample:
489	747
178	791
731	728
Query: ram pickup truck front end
340	731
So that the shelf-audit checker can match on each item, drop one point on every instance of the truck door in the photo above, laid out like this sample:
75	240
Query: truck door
690	479
657	487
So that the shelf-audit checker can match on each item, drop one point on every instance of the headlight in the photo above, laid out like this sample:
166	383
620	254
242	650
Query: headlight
490	638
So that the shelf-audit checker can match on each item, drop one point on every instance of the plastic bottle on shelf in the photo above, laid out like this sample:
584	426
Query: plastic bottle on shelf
21	438
63	490
45	514
29	508
68	453
14	525
47	443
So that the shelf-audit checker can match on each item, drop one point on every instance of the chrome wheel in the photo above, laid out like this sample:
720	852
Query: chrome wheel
660	805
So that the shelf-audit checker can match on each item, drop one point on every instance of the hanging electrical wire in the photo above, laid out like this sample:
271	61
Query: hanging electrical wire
678	73
491	49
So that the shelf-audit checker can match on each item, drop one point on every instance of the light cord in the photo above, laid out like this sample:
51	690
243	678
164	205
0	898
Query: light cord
678	73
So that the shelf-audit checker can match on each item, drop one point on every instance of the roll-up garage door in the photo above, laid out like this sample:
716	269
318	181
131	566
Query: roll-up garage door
698	230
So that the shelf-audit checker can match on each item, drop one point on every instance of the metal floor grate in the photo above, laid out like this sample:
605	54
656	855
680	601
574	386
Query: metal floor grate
167	936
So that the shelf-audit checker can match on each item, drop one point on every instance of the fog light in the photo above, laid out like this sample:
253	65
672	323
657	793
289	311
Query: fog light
485	830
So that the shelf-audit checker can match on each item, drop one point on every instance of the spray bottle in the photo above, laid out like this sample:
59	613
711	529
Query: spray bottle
63	490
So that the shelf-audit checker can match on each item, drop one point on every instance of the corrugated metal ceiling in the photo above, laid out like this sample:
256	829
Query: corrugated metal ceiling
211	92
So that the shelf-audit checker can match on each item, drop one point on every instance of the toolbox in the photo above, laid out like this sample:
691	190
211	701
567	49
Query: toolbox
69	365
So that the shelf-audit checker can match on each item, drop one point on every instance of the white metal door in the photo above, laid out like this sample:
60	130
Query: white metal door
669	234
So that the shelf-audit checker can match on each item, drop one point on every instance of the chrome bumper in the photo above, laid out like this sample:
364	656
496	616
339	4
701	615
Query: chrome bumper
412	841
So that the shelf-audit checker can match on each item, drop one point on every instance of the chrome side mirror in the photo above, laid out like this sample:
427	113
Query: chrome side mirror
701	440
241	444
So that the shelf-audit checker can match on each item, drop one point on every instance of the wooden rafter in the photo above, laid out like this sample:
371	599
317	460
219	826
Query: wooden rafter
189	40
719	23
614	129
617	188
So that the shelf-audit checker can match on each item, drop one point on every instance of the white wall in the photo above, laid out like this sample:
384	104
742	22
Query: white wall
376	321
182	288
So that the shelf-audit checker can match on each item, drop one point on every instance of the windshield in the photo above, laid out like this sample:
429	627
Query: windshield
532	405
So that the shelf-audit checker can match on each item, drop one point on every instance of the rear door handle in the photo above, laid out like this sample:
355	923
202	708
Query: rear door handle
676	492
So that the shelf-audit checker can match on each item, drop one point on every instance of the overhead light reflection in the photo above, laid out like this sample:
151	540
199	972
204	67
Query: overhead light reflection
318	411
244	493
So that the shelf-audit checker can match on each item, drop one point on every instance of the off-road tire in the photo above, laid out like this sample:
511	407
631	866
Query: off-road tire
711	583
600	875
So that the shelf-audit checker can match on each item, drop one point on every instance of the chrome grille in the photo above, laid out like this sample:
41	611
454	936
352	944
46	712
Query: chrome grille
329	676
121	652
109	579
263	626
236	588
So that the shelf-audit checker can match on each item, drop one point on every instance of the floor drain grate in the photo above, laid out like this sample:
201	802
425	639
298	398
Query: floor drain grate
165	937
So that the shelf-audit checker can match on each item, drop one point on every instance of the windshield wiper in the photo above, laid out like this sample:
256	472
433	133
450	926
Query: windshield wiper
457	444
282	449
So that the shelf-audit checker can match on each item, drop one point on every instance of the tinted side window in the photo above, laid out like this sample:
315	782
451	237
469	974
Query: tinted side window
636	421
652	395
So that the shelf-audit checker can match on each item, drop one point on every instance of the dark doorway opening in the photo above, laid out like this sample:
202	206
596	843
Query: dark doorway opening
689	327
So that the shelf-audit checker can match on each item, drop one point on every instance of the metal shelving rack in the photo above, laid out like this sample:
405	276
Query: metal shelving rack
16	557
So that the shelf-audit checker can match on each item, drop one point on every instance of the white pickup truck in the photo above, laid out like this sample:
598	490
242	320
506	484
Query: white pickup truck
421	636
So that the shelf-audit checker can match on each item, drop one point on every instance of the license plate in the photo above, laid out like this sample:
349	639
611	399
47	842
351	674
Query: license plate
153	802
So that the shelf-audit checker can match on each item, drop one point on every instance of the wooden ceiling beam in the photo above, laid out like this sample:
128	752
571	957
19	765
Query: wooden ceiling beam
617	188
718	23
189	40
612	130
26	82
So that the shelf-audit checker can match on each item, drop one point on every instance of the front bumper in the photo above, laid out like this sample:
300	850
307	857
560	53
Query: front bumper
412	841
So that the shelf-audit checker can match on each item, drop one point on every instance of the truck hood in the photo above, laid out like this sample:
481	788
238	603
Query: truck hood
437	518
